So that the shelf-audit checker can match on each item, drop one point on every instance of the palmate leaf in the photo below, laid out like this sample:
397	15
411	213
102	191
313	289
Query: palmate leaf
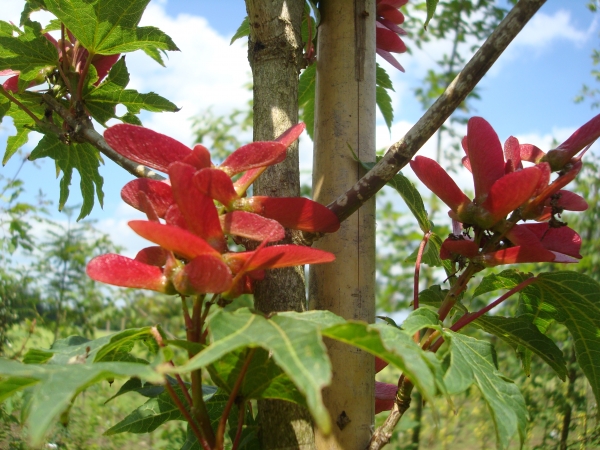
82	157
57	385
431	5
507	279
12	385
264	379
431	254
108	27
215	406
397	348
412	198
77	349
156	411
296	347
575	299
24	125
473	362
541	314
242	31
409	194
382	97
306	97
294	340
520	333
102	100
30	52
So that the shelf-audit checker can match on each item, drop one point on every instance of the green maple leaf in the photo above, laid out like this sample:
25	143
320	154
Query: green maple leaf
102	100
82	157
30	52
108	27
474	362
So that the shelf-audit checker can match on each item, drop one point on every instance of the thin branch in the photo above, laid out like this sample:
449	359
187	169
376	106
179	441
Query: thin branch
470	317
424	241
24	108
240	427
187	416
384	433
84	132
400	153
231	400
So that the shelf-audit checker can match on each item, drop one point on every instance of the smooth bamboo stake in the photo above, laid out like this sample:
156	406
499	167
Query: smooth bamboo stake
345	116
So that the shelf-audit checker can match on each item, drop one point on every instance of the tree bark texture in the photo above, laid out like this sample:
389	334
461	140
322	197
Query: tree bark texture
275	55
345	116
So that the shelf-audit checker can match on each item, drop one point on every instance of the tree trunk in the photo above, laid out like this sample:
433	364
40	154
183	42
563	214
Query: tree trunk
275	55
345	116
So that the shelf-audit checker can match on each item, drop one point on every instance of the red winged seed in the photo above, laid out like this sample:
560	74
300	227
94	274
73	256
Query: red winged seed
153	256
277	256
385	394
147	207
199	158
296	212
510	192
172	238
389	58
158	193
512	153
387	40
199	211
125	272
216	184
439	182
145	146
519	254
204	274
293	133
390	13
253	155
103	64
251	226
485	155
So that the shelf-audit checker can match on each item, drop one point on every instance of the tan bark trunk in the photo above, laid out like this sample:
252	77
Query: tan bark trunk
275	55
345	116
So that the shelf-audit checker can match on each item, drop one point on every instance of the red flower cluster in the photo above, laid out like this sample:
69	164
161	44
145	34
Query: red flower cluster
502	186
388	31
192	256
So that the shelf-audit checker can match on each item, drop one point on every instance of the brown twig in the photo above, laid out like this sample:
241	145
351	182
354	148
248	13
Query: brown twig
25	109
400	153
384	433
85	132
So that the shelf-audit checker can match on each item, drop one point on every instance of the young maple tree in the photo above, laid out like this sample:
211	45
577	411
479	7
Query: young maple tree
251	370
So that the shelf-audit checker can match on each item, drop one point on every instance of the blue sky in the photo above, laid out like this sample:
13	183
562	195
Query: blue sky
529	93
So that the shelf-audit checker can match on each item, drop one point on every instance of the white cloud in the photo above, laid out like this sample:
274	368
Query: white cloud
543	29
207	72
